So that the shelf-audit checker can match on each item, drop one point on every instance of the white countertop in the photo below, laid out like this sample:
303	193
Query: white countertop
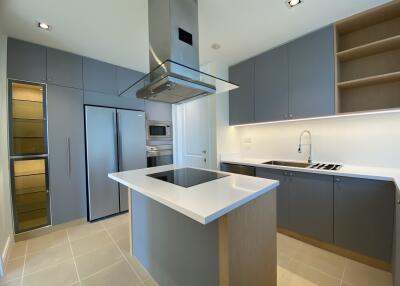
204	202
376	173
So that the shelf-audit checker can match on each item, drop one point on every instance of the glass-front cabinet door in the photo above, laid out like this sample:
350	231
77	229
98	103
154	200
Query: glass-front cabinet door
28	155
28	126
30	193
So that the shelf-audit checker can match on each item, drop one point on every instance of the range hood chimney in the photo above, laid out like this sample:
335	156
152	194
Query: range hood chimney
174	55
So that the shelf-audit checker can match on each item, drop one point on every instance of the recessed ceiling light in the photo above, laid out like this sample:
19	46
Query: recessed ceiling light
44	26
293	3
215	46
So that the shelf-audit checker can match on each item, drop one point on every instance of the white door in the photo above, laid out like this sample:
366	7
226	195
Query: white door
193	133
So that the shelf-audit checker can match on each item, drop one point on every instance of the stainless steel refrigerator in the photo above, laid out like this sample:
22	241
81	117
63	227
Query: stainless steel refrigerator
115	141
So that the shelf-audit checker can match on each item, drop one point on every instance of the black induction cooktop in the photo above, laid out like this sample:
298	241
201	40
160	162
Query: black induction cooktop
187	177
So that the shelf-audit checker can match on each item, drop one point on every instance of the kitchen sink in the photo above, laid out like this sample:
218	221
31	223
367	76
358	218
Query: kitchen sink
288	164
319	166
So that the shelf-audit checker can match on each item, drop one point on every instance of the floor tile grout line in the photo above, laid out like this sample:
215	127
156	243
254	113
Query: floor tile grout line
123	255
45	268
73	258
23	267
101	270
344	271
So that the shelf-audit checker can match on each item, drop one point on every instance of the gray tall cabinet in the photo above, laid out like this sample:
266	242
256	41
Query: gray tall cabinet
73	81
66	153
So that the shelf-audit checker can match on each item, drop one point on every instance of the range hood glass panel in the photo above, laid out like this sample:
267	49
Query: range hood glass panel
201	83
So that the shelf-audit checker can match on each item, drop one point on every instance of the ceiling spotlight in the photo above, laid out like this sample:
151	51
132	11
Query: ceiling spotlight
293	3
215	46
44	26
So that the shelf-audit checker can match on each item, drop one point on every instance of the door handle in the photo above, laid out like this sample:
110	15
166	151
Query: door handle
205	155
69	155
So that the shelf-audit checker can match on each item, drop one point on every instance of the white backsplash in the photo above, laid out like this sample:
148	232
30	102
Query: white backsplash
369	140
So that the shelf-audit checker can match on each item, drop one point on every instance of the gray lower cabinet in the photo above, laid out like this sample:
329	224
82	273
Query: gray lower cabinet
66	154
26	61
271	86
64	69
241	100
311	205
364	216
99	76
312	75
283	190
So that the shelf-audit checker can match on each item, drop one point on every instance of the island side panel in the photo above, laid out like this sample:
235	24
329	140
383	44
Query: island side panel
174	249
247	245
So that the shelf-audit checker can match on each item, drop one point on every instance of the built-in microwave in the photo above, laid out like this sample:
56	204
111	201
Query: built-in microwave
159	130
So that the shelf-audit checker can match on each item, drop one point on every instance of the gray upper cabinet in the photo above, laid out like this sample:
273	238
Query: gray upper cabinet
271	86
64	69
364	216
99	77
282	193
241	100
312	75
26	61
125	79
296	80
311	205
66	154
158	111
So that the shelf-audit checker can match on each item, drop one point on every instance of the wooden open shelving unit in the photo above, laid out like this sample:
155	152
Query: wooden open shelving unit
367	48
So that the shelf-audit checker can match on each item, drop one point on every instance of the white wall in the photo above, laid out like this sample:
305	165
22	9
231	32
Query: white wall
370	140
5	202
222	137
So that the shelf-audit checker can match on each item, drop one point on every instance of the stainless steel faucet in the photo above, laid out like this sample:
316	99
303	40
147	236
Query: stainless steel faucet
300	144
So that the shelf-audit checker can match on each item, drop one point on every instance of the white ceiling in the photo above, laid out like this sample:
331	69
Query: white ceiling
116	31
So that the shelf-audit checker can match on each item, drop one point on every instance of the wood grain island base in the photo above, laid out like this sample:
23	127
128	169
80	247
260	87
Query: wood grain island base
237	249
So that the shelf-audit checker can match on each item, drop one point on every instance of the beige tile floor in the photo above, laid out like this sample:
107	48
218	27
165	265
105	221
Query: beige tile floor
98	254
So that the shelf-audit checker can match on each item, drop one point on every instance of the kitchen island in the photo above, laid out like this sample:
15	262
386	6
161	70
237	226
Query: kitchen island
199	227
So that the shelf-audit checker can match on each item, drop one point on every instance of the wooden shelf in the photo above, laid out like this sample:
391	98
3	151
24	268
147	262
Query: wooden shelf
384	45
369	80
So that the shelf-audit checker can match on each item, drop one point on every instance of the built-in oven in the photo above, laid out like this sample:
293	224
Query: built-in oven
159	155
159	130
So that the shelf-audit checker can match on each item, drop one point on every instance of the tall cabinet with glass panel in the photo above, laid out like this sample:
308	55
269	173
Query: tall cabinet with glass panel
28	155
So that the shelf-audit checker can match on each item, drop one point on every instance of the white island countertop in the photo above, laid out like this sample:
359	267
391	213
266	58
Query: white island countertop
204	202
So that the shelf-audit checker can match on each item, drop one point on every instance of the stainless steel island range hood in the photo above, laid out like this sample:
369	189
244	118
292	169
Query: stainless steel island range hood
174	55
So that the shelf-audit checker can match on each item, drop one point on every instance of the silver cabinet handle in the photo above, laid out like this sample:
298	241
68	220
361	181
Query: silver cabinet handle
69	155
337	180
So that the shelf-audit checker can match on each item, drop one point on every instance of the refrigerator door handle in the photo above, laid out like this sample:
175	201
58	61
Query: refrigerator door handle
115	140
69	155
119	142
